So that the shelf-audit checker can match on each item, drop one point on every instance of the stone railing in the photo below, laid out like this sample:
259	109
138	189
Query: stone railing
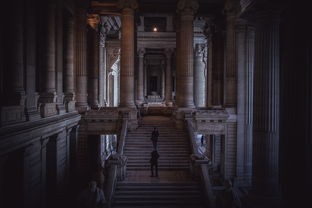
117	164
199	166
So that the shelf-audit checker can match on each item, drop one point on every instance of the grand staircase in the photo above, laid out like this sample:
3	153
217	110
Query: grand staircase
174	187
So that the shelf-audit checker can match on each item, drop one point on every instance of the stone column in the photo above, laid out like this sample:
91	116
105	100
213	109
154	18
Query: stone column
69	85
81	60
245	41
209	33
200	75
93	60
217	57
140	95
48	95
184	92
230	82
30	62
102	66
168	94
59	26
13	100
163	78
127	53
266	104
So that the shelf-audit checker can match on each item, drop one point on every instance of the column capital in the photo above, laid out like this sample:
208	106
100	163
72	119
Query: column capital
141	52
131	4
187	7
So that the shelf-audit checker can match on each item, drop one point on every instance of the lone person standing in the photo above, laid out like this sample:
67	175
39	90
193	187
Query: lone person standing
154	162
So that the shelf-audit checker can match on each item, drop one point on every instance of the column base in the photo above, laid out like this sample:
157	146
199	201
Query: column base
32	114
70	106
60	108
12	115
82	109
48	109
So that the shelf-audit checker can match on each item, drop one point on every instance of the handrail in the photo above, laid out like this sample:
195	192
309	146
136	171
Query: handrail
110	187
123	135
114	169
203	166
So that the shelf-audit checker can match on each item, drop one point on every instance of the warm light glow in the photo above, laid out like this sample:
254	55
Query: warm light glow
155	29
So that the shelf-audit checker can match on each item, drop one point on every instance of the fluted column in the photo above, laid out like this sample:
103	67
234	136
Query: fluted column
209	33
30	62
127	53
12	65
49	85
93	60
59	48
200	75
245	41
230	83
81	60
102	66
48	95
217	57
140	94
266	104
184	92
168	92
163	78
69	87
17	63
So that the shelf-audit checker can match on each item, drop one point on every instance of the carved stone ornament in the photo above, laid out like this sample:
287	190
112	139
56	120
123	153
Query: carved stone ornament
132	4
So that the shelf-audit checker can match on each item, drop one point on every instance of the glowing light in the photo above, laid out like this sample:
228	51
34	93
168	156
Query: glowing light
155	29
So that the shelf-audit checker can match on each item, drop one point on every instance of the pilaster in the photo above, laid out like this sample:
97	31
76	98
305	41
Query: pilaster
266	104
245	49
